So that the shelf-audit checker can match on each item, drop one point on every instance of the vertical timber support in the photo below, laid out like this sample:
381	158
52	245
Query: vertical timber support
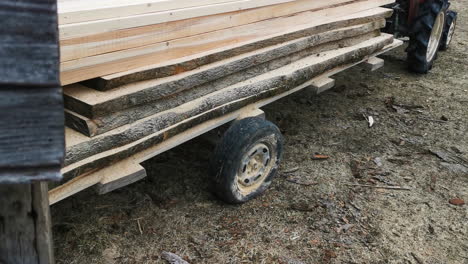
32	144
25	224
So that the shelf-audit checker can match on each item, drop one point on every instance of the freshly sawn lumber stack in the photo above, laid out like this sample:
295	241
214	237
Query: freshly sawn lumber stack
140	72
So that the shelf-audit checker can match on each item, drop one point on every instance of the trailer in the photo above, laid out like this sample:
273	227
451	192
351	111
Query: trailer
129	170
122	108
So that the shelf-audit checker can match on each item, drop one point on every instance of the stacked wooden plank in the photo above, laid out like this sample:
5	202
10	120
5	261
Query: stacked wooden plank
97	44
152	75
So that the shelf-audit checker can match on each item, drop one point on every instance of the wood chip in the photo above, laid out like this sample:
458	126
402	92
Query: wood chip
320	157
173	258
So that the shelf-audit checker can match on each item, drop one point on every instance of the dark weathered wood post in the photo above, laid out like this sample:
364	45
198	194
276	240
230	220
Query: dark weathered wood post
31	127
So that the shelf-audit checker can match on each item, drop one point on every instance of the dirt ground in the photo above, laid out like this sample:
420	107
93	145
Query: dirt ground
314	212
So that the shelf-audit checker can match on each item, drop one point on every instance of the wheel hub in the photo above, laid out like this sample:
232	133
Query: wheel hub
255	165
450	33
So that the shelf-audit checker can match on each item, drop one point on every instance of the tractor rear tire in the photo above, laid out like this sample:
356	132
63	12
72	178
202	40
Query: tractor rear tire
425	35
449	30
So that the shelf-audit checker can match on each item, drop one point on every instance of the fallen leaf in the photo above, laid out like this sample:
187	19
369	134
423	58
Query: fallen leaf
457	201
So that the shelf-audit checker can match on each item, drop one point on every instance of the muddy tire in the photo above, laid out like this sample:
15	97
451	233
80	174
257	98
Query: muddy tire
449	30
425	35
246	160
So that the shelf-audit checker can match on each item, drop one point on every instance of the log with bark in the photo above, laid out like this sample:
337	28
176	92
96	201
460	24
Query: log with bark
89	154
172	92
92	104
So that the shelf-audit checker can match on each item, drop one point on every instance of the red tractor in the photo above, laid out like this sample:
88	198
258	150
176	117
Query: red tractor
430	26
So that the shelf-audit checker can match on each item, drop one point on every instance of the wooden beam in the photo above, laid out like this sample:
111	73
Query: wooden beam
31	102
120	176
373	64
43	223
322	85
31	127
25	224
28	43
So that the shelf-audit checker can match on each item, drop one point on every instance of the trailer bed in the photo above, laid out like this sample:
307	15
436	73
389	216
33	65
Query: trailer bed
129	170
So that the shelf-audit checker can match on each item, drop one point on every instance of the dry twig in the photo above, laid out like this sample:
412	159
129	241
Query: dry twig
380	187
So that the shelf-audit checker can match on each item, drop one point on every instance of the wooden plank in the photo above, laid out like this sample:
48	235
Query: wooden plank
82	11
118	144
31	102
28	52
112	24
94	66
256	112
72	187
111	41
31	127
192	85
123	174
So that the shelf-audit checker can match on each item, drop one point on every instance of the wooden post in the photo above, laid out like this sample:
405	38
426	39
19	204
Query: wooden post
25	235
31	128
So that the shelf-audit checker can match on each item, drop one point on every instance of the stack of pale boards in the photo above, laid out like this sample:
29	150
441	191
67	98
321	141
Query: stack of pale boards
142	84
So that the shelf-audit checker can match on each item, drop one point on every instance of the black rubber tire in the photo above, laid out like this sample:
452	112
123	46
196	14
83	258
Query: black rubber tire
420	34
238	139
450	18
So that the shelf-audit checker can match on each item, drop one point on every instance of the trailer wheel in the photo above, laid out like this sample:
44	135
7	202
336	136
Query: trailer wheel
449	30
426	35
246	160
